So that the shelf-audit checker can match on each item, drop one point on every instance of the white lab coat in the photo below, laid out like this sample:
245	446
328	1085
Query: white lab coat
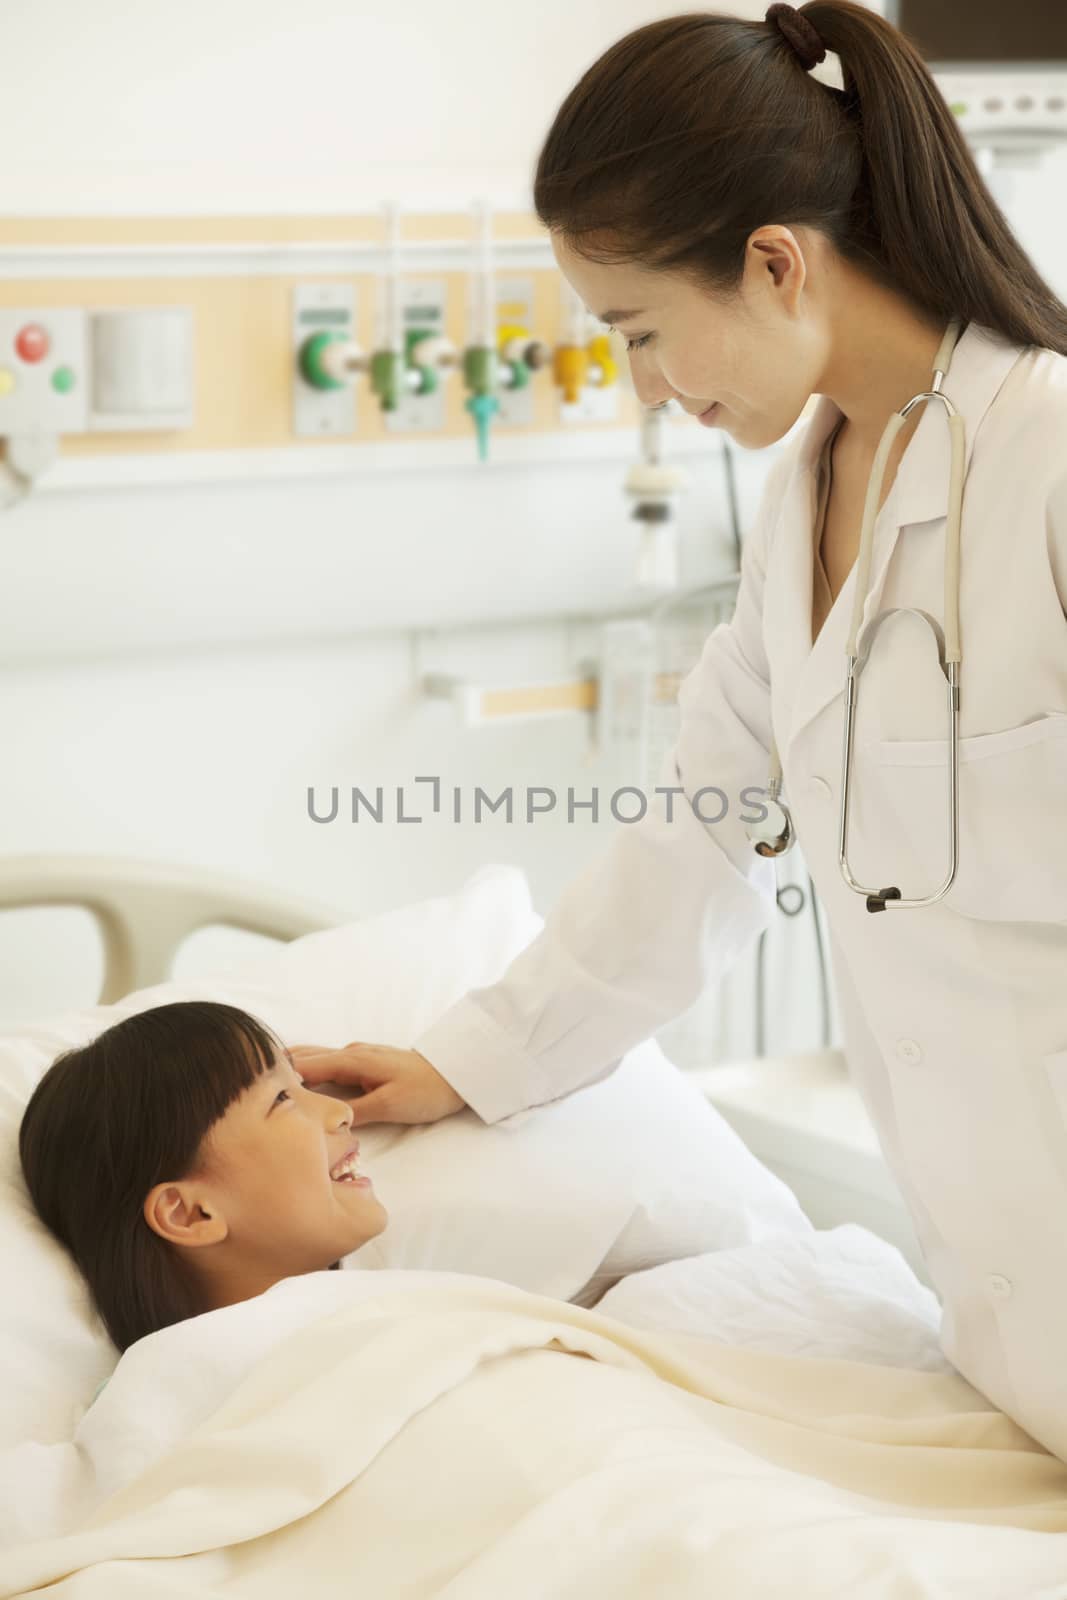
954	1015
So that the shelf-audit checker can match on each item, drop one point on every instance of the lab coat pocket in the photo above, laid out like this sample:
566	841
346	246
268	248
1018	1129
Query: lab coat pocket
1013	819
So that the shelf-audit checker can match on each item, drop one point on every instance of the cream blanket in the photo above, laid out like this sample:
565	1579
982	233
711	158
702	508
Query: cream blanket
447	1439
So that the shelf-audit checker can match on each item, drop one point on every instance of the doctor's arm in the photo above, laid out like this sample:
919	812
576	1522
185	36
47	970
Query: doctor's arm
665	908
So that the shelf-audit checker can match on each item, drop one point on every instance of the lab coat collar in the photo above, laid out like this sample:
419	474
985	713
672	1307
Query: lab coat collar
979	365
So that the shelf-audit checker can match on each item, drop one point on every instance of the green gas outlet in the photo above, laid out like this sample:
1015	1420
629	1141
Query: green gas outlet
422	315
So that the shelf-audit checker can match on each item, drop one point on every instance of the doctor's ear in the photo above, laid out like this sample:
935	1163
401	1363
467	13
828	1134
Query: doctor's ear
779	251
178	1212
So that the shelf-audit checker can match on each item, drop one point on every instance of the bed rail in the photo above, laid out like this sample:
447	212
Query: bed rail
146	909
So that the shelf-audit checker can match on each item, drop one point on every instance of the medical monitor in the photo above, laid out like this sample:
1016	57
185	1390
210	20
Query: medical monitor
991	33
1001	65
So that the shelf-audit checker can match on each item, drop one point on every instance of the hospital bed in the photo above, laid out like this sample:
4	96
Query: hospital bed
799	1114
145	910
565	1479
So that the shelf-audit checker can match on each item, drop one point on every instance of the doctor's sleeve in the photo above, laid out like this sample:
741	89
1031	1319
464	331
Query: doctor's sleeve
664	910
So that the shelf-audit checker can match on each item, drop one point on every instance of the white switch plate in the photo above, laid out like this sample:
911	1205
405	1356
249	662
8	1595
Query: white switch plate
142	368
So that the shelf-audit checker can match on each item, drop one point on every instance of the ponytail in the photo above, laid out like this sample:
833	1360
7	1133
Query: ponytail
930	219
689	133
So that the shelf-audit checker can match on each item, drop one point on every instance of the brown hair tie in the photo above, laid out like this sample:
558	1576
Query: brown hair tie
800	33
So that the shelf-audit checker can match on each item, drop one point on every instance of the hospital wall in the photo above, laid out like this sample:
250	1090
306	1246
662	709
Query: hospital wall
181	661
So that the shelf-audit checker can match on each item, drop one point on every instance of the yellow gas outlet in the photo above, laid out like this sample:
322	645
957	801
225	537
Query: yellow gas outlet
601	356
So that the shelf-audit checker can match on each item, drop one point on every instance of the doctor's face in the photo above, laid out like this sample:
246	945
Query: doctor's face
758	354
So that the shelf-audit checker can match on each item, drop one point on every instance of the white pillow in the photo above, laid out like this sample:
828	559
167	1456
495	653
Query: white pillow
562	1199
636	1170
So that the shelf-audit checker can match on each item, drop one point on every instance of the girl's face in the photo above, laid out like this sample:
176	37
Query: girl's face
759	356
262	1204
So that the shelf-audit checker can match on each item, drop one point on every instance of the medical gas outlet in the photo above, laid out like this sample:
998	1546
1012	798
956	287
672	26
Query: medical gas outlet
487	371
405	374
575	367
330	361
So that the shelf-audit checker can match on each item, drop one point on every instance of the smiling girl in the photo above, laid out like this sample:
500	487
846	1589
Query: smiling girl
183	1163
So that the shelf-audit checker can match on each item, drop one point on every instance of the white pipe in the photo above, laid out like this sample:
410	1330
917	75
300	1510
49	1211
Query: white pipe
488	332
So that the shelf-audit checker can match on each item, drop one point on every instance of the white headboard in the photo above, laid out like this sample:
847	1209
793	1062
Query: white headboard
145	909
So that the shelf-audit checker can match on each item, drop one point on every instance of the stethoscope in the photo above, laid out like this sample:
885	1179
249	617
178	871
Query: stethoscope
774	834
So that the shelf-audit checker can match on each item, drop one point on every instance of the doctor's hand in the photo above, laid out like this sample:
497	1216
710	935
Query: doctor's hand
387	1085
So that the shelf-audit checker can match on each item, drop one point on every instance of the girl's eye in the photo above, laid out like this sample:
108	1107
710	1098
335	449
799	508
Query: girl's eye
283	1094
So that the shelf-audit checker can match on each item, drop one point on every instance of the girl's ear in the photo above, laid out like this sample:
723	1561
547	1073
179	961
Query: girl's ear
173	1212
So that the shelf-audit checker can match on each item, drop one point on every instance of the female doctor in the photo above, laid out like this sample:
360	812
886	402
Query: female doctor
657	180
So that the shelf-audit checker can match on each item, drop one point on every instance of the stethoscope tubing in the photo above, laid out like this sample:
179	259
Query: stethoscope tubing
857	655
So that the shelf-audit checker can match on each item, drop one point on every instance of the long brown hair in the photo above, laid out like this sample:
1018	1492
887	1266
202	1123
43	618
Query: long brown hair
691	132
111	1119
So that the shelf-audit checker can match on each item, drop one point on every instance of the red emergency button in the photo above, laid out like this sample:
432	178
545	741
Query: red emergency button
32	342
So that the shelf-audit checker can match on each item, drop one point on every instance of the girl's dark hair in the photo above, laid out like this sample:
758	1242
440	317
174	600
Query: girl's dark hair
113	1118
691	132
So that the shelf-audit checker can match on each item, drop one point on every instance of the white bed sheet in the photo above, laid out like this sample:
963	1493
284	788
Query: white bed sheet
425	1435
840	1293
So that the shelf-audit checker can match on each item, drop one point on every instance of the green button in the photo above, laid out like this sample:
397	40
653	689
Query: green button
62	380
